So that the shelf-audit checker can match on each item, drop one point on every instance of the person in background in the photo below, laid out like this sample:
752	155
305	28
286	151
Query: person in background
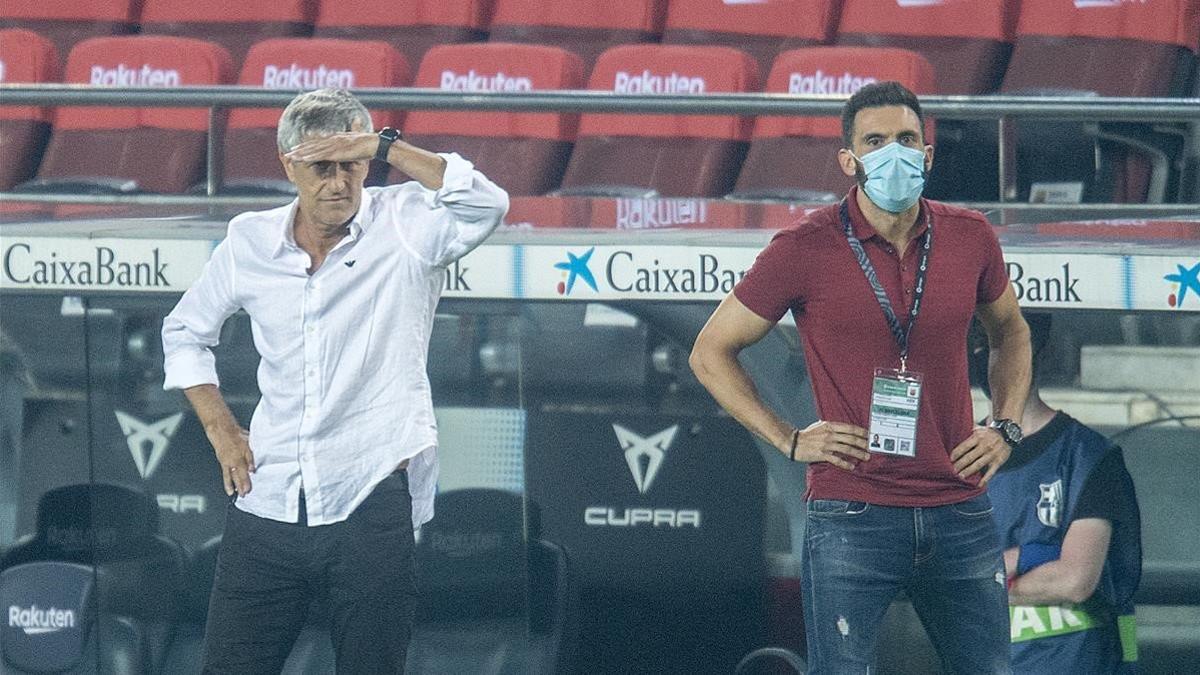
1069	522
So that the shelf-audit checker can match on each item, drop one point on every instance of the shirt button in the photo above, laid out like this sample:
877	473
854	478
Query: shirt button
908	291
313	373
312	329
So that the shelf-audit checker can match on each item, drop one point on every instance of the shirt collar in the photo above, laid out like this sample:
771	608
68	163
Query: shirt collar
864	231
286	237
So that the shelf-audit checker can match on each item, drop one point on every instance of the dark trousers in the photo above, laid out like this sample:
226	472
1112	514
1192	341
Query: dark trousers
268	573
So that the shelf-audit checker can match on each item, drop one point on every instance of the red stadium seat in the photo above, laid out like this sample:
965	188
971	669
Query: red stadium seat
251	153
68	22
234	25
132	149
585	27
411	26
1109	48
673	155
525	153
761	29
794	157
967	41
25	56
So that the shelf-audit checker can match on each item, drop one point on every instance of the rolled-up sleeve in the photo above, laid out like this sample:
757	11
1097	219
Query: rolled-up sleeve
473	205
193	328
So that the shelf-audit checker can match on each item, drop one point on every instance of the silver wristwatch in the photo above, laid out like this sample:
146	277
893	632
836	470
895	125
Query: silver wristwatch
1009	430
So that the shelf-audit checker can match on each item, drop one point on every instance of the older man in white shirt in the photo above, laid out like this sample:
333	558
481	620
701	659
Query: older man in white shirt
340	461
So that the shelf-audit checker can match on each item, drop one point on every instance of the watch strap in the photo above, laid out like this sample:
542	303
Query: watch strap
387	136
1006	429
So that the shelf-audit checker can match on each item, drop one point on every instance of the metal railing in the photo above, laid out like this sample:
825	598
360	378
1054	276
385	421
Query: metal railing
1005	110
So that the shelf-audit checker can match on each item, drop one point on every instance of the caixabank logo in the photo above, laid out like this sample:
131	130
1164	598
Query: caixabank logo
55	263
1186	281
651	272
575	268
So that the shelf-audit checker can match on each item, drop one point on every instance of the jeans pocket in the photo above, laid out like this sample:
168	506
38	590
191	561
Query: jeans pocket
974	507
821	508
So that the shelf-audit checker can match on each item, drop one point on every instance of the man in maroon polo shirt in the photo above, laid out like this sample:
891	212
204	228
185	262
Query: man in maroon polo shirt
883	287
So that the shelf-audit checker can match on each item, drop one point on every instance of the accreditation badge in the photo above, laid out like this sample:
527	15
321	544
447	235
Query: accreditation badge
895	402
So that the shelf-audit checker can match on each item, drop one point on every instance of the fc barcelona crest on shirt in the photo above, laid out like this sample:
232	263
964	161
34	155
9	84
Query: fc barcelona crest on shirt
1049	506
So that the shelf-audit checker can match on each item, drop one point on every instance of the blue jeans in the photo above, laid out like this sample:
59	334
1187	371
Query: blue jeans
858	556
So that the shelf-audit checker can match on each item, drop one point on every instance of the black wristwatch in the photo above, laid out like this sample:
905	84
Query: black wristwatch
387	136
1009	430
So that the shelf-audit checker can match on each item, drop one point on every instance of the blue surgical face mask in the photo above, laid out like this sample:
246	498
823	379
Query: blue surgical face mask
895	176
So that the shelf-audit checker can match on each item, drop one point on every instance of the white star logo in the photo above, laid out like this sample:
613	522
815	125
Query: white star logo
653	447
157	435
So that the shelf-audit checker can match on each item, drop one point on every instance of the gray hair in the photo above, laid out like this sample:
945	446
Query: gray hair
320	112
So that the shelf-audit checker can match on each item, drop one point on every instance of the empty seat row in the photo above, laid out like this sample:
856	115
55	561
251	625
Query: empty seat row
133	601
967	41
529	153
162	150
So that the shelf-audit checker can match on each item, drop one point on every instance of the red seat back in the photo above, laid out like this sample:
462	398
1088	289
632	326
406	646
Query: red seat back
674	155
1174	22
398	13
497	67
1106	47
68	22
807	19
161	149
525	153
314	63
142	61
234	25
1110	47
762	29
585	27
671	69
966	41
300	65
28	57
794	157
640	15
840	71
411	26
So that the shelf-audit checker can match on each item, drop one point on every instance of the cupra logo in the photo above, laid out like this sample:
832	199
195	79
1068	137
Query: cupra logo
138	435
653	448
1188	280
576	266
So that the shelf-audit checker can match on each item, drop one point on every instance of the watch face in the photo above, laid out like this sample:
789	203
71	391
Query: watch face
1012	431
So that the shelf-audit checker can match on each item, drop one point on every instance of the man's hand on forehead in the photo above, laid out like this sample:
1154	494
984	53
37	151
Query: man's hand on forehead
346	146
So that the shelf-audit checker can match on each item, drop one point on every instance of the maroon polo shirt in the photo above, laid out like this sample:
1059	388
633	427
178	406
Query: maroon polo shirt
809	268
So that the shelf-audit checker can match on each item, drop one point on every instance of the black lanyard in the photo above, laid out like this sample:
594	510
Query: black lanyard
901	334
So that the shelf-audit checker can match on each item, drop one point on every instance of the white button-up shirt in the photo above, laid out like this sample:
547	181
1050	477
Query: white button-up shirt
345	394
